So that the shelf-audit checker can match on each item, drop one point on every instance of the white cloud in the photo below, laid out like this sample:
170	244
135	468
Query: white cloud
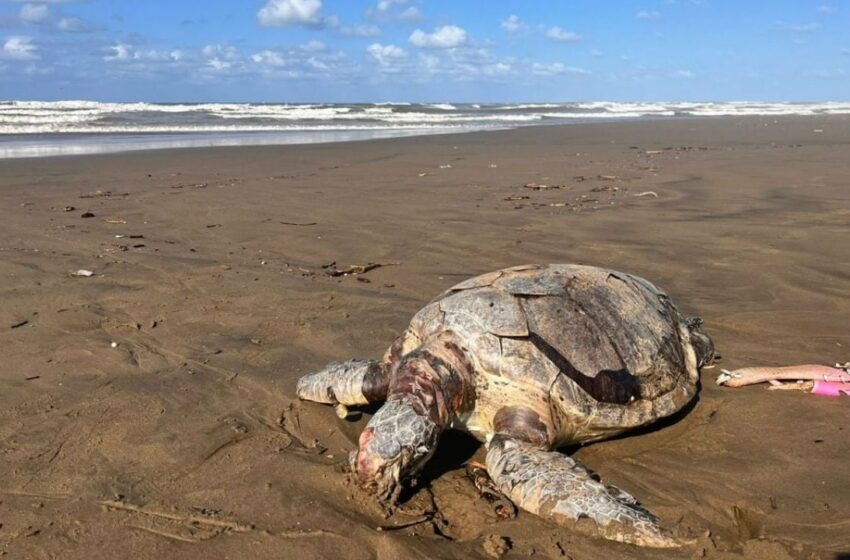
219	65
122	52
386	54
49	1
301	62
560	35
845	51
513	24
389	10
280	13
360	31
685	74
220	58
34	13
445	37
595	53
386	5
18	48
646	15
798	27
313	46
556	68
268	58
74	25
412	13
826	9
463	65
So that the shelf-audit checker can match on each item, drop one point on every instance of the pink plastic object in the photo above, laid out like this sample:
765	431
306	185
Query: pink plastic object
831	388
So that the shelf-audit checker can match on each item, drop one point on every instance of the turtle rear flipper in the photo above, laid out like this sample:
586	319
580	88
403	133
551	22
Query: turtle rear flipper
352	382
554	486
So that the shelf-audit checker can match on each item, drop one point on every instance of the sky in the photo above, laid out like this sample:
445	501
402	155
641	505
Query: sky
425	50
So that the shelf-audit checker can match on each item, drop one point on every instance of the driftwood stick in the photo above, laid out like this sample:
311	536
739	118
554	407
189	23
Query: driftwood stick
805	372
231	525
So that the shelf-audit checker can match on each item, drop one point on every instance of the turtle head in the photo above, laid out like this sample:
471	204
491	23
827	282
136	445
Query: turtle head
393	448
703	345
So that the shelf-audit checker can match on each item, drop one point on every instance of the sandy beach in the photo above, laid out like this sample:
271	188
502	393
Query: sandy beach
148	411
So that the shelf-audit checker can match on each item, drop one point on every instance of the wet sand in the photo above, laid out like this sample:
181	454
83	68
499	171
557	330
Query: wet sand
184	438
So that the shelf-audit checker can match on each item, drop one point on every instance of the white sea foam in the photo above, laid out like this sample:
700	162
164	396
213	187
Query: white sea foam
173	129
529	106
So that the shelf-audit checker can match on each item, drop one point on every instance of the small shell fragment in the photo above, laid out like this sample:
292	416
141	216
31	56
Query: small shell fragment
83	273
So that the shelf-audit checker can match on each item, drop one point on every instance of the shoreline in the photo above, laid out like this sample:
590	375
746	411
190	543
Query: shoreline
208	277
40	129
390	135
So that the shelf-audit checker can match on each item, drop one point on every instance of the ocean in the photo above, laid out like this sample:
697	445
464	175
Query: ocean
36	128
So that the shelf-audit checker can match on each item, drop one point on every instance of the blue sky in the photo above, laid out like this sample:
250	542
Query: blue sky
425	50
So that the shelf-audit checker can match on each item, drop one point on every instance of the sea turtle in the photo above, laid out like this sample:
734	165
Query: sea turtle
527	359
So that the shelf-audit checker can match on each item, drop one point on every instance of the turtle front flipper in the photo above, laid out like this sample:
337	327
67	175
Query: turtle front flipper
346	383
554	486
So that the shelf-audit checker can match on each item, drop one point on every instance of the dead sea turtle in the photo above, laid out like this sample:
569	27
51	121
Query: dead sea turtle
527	359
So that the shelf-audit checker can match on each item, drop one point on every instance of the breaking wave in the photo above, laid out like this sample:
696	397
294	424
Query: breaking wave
51	119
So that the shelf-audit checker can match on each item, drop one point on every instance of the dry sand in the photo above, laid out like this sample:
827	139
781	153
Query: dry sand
185	440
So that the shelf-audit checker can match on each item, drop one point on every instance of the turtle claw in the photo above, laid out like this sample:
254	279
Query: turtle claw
502	506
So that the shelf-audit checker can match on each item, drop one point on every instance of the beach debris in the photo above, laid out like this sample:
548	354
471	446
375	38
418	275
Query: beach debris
426	517
83	273
210	226
115	221
608	177
646	193
676	149
492	166
69	208
202	521
517	197
87	215
333	270
823	388
812	378
446	166
423	174
541	187
19	324
496	546
113	345
298	223
603	188
100	194
817	130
